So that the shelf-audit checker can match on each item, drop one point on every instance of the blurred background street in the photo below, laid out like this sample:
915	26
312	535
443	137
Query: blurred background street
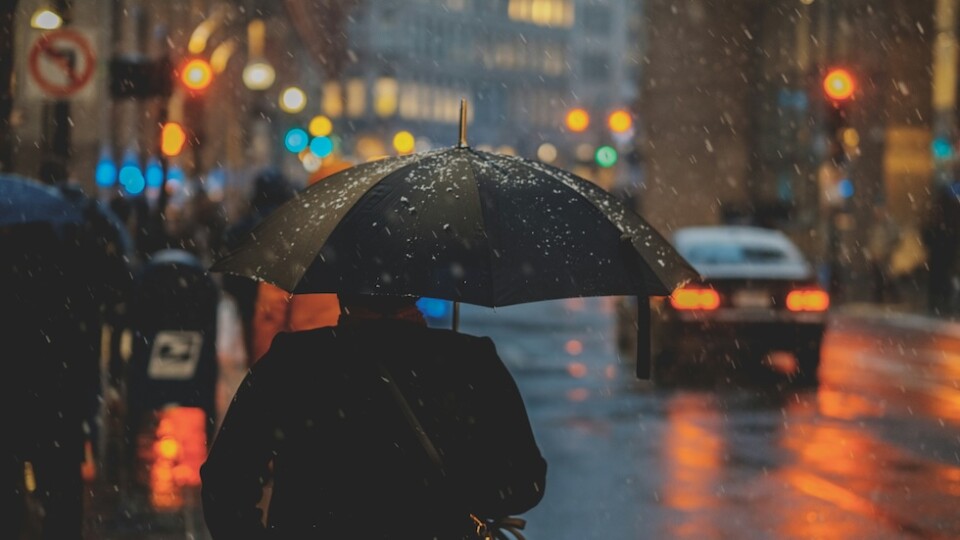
832	125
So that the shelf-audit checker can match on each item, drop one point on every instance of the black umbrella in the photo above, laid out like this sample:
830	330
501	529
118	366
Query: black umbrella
24	201
462	225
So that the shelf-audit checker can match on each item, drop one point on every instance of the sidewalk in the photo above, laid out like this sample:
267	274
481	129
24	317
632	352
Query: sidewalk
896	317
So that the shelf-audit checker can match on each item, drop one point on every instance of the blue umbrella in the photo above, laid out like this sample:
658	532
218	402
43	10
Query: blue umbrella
24	201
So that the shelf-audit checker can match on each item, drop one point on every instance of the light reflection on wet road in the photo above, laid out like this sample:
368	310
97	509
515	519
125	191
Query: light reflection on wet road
873	453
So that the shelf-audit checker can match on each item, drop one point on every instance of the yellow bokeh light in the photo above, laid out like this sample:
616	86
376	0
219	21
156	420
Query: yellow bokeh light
320	126
293	100
578	120
620	121
403	142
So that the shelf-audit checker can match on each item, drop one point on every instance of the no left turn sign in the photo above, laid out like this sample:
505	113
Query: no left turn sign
61	62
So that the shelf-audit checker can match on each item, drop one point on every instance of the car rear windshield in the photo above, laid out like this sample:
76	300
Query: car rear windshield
733	254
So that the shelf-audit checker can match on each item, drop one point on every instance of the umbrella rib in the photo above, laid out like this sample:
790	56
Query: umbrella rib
483	222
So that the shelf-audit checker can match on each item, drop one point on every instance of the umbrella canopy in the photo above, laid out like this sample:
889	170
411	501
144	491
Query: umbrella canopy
463	225
24	201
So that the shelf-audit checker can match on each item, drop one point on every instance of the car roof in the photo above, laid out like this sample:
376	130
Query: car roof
791	266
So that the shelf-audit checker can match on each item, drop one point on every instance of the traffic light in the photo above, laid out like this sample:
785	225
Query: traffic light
196	75
606	156
578	120
172	139
620	121
839	87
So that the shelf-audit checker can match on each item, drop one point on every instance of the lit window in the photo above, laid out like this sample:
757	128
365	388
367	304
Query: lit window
542	12
385	96
332	102
356	98
408	100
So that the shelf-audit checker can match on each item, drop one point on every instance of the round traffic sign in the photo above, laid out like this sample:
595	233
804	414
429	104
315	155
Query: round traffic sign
61	62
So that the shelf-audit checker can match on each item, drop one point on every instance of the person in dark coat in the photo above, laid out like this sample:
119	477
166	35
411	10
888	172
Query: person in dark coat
270	189
48	383
346	460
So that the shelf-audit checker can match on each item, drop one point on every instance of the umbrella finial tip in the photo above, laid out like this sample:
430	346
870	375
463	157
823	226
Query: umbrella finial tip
463	124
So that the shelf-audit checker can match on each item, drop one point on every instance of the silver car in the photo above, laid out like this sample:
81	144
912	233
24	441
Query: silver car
758	296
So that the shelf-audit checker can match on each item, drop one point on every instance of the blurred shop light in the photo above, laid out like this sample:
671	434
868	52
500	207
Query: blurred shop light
845	188
311	162
172	139
106	172
45	19
320	126
547	153
403	142
942	149
154	173
221	55
175	178
296	140
131	177
293	100
584	152
258	75
321	146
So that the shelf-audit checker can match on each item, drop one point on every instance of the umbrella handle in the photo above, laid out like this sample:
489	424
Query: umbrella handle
456	316
644	360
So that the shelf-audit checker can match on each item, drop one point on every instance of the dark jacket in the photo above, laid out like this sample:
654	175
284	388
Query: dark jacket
346	462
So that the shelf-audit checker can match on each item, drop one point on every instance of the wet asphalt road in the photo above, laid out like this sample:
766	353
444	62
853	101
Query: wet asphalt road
874	452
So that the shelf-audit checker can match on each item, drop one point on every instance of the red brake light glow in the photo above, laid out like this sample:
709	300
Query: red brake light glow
695	298
808	300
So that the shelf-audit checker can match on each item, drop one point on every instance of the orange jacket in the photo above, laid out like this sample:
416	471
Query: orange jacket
278	311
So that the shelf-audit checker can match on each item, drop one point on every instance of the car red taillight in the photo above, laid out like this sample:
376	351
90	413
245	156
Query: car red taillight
690	298
808	300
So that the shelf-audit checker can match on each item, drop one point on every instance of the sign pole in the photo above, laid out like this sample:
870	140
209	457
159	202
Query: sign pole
56	129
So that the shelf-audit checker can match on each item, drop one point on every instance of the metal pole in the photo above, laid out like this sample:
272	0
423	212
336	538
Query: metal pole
8	11
456	316
55	152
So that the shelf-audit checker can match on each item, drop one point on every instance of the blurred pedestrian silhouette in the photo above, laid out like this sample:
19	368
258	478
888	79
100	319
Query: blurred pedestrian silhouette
881	245
324	408
941	235
58	283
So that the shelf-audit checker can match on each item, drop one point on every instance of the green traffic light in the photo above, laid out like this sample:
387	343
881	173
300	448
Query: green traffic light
606	156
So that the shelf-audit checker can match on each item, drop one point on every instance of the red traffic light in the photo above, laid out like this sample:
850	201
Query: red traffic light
196	74
839	84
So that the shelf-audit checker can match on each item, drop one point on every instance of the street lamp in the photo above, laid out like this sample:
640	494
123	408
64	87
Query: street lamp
293	100
258	75
45	19
196	75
